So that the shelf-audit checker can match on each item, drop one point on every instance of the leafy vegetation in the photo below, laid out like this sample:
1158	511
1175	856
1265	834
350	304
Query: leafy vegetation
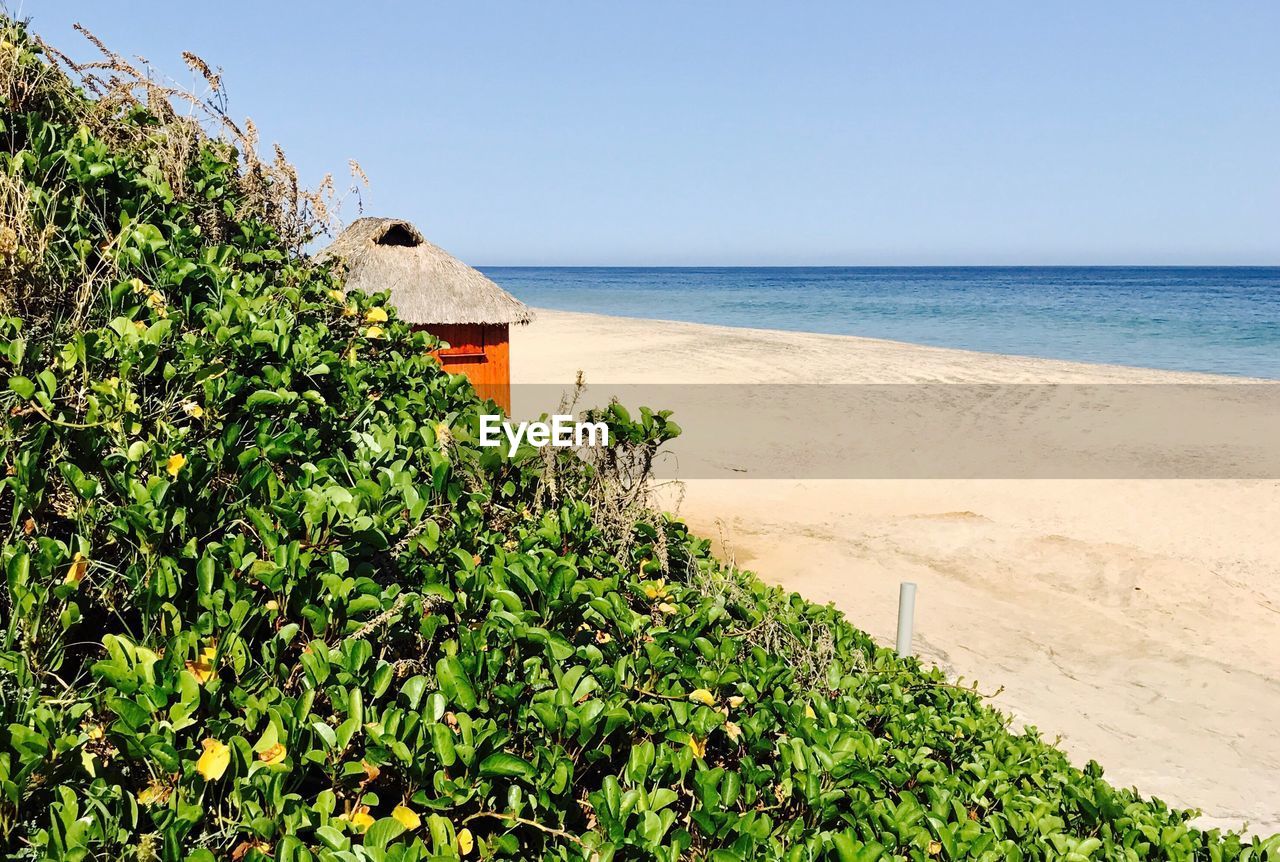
265	598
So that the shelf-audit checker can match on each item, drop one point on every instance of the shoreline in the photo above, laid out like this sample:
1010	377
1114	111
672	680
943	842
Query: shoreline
1133	618
984	366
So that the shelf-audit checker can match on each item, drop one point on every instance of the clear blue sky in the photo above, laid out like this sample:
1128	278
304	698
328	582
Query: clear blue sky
762	133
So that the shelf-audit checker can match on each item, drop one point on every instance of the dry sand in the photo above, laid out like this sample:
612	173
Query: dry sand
1137	620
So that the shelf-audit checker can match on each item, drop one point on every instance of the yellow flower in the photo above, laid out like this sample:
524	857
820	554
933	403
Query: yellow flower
155	793
734	732
373	332
349	311
273	605
656	590
155	299
666	608
406	817
443	435
375	315
214	761
934	848
79	565
192	409
736	701
361	818
174	464
702	696
465	841
140	325
337	295
698	747
603	637
137	285
274	754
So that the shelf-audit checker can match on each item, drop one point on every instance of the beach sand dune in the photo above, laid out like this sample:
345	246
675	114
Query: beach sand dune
1137	619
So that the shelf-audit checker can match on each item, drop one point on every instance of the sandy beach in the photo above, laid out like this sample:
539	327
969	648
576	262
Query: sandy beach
1136	619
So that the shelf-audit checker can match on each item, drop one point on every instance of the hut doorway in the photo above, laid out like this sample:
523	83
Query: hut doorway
481	351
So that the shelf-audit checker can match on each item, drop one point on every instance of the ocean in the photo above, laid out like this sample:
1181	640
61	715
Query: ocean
1224	320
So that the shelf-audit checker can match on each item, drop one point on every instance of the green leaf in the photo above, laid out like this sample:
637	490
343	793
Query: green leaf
23	386
383	832
506	765
261	398
454	682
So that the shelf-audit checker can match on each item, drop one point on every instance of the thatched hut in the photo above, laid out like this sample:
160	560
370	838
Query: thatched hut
439	293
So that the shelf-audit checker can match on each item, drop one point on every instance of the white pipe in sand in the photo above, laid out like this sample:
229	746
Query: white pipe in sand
906	613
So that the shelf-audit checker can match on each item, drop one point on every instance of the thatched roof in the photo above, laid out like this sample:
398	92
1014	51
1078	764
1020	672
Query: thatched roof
427	284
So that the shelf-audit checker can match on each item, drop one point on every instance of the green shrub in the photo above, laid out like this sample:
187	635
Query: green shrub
265	597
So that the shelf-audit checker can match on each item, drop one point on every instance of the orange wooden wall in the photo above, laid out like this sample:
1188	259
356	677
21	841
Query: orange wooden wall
480	351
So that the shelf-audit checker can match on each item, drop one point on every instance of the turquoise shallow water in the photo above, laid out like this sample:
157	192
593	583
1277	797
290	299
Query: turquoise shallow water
1224	320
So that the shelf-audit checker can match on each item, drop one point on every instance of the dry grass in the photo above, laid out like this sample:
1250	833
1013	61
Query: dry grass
35	280
811	650
271	188
616	482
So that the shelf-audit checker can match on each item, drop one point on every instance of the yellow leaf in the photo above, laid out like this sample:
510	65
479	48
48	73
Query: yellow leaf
214	761
274	754
407	817
203	667
79	565
375	315
702	696
736	701
934	848
465	841
373	332
808	712
202	670
174	464
337	295
272	605
698	747
734	732
192	409
666	608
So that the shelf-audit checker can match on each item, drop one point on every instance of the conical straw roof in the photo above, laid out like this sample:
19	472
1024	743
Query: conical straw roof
427	284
